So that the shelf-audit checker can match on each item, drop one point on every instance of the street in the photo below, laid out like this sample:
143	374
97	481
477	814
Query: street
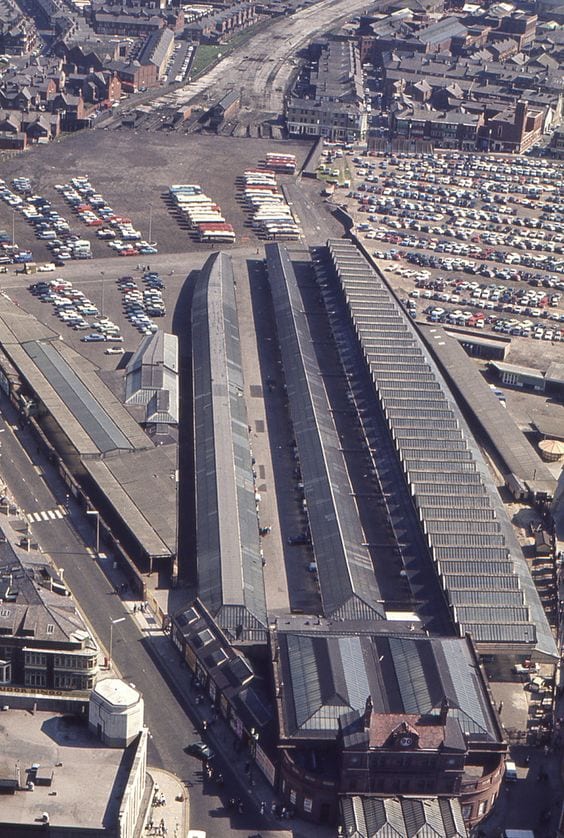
146	659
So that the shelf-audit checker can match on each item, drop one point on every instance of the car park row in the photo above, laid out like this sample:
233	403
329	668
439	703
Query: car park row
469	216
94	211
140	306
72	307
49	225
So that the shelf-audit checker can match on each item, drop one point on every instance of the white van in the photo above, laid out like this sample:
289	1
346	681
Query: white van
196	833
511	772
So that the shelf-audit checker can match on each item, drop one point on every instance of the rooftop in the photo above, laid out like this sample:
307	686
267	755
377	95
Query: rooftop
346	574
330	671
88	777
466	525
230	571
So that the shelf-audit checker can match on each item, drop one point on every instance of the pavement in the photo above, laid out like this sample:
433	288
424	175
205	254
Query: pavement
219	735
168	811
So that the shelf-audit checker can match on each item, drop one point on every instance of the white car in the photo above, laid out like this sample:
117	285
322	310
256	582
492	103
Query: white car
115	350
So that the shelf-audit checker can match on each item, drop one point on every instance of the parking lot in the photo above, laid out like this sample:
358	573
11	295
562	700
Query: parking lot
471	241
133	172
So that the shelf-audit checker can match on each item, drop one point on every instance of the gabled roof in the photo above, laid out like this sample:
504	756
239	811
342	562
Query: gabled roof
230	569
329	670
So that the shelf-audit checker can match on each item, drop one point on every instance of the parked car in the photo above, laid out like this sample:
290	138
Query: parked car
201	751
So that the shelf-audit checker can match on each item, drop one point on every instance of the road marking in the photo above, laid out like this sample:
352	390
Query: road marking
44	515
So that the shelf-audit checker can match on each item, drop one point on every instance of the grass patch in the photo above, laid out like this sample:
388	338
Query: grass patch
206	54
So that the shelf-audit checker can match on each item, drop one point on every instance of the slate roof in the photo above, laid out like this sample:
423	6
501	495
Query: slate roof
152	378
346	574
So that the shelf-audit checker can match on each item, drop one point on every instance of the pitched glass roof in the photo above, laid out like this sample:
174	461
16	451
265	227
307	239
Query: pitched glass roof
346	575
78	399
466	557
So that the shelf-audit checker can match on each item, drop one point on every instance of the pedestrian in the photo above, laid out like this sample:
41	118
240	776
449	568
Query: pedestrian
135	608
500	708
240	807
205	725
262	807
273	808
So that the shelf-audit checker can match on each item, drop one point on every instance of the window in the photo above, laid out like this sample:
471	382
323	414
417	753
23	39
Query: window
35	679
308	804
482	808
35	659
67	682
292	797
467	811
5	672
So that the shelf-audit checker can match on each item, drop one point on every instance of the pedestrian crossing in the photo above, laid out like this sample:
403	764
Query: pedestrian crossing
45	515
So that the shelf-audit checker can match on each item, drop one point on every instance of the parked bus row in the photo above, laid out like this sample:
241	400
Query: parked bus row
270	214
202	214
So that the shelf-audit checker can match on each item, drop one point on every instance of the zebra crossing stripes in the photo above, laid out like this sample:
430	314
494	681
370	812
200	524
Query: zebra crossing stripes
45	515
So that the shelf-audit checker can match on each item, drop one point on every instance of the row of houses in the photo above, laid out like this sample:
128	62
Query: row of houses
327	99
124	18
221	24
18	33
461	81
69	87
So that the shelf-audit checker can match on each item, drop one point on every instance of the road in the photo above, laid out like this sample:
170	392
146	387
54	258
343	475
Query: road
151	663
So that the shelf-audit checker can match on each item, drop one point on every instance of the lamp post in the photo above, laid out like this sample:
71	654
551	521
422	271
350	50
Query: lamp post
253	748
97	514
112	624
102	274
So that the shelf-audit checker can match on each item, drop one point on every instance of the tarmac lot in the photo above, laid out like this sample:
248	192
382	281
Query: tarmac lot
474	242
133	172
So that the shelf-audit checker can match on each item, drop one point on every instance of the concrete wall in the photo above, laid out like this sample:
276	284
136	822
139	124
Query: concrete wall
116	727
133	795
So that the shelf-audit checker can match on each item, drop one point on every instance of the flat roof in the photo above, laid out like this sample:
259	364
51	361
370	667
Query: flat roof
419	407
88	777
518	455
518	369
345	571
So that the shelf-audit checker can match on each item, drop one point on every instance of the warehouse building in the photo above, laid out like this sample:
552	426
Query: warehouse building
229	557
477	560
